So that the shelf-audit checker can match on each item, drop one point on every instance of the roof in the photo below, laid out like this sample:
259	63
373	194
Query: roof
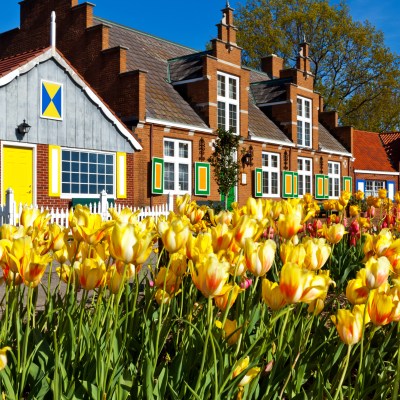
186	67
270	91
391	141
370	153
9	64
328	143
151	54
12	67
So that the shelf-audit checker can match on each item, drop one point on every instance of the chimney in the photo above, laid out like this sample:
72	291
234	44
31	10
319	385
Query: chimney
53	30
303	58
272	65
226	29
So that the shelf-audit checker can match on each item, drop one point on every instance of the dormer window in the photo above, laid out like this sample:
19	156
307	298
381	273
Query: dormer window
228	102
304	122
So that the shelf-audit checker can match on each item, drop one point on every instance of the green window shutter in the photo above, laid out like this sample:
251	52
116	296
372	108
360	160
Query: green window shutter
295	184
326	186
258	182
157	176
347	184
319	186
202	179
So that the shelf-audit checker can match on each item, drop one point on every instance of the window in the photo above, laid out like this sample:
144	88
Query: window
304	169
304	122
270	171
228	102
177	166
334	178
372	187
86	173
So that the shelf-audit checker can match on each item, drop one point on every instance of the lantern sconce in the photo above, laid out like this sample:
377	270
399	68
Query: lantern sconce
24	128
202	149
247	158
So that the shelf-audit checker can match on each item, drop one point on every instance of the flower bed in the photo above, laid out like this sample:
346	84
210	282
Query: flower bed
265	301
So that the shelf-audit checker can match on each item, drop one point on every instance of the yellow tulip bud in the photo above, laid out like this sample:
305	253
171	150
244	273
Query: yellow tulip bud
3	356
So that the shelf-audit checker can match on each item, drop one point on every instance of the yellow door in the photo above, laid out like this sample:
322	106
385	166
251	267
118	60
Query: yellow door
18	173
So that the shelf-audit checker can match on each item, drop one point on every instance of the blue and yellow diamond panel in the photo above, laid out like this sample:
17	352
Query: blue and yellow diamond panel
51	104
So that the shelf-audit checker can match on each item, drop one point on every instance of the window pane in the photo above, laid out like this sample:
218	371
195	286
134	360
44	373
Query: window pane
299	133
92	157
221	86
265	182
169	176
301	184
221	115
232	117
307	165
184	150
307	108
183	177
274	161
336	168
232	89
308	183
168	148
299	108
265	160
74	156
274	183
66	155
307	134
85	157
300	164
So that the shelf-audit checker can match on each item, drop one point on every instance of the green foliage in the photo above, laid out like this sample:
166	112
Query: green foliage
354	71
224	161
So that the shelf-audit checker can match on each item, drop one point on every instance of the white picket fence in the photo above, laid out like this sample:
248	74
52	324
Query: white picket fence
10	212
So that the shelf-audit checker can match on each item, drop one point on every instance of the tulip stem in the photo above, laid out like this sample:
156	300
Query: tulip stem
397	379
346	364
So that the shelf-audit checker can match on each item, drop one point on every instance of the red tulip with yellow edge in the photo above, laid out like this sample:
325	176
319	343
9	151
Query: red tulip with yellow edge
229	290
241	366
129	243
317	253
333	233
376	272
349	325
3	357
174	232
259	256
381	308
272	295
210	275
231	331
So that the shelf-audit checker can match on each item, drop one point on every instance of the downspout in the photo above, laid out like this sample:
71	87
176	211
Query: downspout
151	159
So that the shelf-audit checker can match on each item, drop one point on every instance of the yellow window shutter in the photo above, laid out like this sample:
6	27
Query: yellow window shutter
121	175
54	171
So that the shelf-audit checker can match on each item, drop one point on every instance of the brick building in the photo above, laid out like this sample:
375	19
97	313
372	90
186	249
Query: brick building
173	99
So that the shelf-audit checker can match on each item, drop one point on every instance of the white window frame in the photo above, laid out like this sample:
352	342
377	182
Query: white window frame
68	195
303	173
376	185
334	179
226	99
176	160
304	121
270	170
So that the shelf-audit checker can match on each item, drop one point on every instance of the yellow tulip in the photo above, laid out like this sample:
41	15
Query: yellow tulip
316	307
173	232
182	203
289	224
126	216
349	325
178	263
272	295
259	256
90	273
344	198
162	297
130	243
67	274
316	288
114	279
246	228
231	331
228	290
357	291
33	218
381	308
289	252
172	282
382	193
359	195
377	271
11	232
293	282
221	236
241	366
199	246
317	253
333	233
3	356
210	275
354	210
58	236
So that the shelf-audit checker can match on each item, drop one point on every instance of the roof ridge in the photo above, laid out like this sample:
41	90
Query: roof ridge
144	33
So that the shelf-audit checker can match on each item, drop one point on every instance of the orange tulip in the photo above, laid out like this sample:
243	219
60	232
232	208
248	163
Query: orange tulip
259	256
210	275
272	295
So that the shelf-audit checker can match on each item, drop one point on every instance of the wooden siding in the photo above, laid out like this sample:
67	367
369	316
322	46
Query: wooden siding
83	125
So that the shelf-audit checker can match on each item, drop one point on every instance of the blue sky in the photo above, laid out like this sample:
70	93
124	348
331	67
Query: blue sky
192	22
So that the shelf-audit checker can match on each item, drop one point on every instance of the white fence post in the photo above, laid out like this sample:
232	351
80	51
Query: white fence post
103	205
170	202
10	204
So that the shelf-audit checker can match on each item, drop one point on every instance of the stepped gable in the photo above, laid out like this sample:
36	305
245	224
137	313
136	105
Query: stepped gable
370	153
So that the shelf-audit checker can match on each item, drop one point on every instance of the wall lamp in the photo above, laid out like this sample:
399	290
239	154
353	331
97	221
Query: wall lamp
247	158
24	128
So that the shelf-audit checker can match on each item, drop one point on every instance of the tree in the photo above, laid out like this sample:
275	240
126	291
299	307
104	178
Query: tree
224	161
354	71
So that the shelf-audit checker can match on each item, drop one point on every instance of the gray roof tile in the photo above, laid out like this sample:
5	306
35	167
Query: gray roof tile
327	141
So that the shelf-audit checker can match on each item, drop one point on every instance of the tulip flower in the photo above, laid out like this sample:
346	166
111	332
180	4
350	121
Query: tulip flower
317	253
178	263
167	280
293	281
344	198
292	253
222	236
382	193
354	210
162	297
357	291
126	216
210	275
246	228
199	246
349	325
381	308
259	256
174	232
241	366
272	295
90	273
289	224
228	290
231	331
377	272
333	233
11	232
3	357
114	279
